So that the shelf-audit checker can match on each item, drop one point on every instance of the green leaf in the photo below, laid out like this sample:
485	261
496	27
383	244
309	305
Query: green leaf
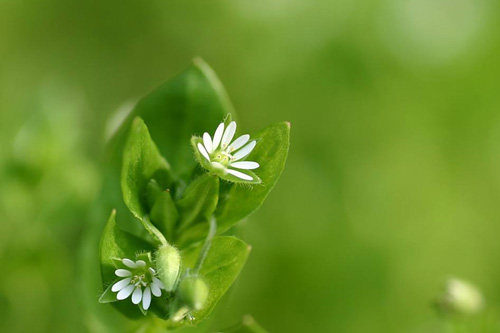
192	102
142	163
222	265
164	214
218	171
117	244
271	153
198	201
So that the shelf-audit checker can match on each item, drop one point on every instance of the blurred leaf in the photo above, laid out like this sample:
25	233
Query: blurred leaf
271	153
247	325
191	102
117	244
199	201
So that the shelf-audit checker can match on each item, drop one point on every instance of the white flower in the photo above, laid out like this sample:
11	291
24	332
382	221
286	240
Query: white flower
140	281
226	156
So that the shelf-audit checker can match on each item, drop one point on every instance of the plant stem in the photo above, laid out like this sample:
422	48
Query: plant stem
153	231
206	247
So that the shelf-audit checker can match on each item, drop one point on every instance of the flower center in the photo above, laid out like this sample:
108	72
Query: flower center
222	157
141	277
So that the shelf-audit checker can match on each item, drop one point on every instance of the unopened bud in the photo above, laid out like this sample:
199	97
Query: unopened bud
460	298
168	263
194	292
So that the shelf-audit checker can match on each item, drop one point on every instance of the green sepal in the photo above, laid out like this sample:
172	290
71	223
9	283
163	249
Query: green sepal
164	214
199	201
271	152
168	265
221	172
108	296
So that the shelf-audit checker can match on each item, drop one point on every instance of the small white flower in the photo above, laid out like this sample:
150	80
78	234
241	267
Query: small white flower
139	280
225	155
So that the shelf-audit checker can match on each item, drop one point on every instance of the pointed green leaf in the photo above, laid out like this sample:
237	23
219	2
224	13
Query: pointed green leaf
271	153
142	162
198	201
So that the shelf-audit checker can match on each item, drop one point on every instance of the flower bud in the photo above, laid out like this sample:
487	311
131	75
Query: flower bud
168	263
194	292
460	298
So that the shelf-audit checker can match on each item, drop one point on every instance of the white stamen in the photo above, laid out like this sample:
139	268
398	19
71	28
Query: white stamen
137	295
207	141
238	143
203	151
129	263
217	136
243	152
123	272
125	292
228	134
120	284
247	165
146	298
239	174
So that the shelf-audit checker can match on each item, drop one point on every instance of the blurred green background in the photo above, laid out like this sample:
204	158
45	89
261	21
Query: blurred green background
392	182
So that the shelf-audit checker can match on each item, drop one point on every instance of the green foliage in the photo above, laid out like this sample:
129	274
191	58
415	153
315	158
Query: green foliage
182	205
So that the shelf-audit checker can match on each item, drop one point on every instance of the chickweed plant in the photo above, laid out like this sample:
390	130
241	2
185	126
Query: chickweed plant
181	177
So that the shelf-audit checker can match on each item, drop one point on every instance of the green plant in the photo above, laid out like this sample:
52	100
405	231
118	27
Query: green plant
167	251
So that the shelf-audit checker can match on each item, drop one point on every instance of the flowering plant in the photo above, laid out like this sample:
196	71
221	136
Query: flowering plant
166	252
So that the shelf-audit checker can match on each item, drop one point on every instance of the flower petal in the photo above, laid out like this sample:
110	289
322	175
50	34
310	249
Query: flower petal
120	284
247	165
140	263
155	289
243	152
238	143
146	298
207	141
203	151
123	272
158	282
239	174
228	134
217	136
125	292
129	263
137	295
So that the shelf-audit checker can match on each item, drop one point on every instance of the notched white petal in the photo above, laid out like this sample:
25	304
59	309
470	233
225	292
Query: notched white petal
240	175
218	136
238	143
243	152
140	263
121	284
146	298
207	141
155	289
158	282
246	165
137	295
129	263
203	151
125	292
123	273
228	134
